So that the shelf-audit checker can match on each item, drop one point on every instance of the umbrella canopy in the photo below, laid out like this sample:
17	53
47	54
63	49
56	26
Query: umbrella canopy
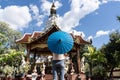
60	42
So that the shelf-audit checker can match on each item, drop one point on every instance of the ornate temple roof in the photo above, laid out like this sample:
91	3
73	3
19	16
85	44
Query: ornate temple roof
24	39
38	39
30	38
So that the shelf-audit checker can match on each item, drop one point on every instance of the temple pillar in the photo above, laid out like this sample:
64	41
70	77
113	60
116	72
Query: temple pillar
28	53
34	57
28	56
78	60
33	66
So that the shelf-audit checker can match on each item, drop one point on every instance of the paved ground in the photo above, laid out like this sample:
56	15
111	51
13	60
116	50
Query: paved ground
68	77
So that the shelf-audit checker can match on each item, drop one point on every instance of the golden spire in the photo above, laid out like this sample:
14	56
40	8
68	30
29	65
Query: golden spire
53	10
53	17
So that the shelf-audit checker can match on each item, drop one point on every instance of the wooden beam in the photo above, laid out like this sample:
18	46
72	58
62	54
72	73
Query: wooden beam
33	46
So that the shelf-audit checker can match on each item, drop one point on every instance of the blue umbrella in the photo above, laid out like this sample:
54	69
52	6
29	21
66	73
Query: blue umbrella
60	42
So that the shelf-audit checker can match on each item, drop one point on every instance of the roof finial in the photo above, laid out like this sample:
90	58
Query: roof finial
53	1
53	9
52	17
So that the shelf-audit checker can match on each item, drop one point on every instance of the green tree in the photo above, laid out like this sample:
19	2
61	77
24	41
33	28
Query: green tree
90	57
118	18
2	40
8	37
99	64
96	61
112	51
12	58
10	52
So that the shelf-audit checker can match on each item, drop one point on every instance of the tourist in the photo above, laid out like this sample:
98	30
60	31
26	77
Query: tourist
58	66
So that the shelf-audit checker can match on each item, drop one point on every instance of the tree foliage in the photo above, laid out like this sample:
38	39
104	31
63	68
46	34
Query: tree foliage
112	51
12	58
118	18
8	37
96	61
10	52
11	62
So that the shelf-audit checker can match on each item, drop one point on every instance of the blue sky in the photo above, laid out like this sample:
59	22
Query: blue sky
94	19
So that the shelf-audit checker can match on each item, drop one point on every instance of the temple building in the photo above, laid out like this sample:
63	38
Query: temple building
36	45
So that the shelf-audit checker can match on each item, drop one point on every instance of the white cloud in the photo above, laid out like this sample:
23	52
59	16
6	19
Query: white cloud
90	37
106	1
46	5
35	11
17	17
39	15
36	15
99	33
102	33
79	9
78	33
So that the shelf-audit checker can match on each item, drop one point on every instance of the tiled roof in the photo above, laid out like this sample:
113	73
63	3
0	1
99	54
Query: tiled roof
80	40
25	38
36	34
28	38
